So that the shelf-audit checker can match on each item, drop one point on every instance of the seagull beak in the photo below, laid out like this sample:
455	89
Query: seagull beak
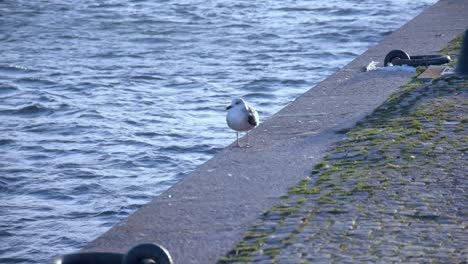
229	107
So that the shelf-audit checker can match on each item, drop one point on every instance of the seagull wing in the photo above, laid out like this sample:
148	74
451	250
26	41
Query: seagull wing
253	116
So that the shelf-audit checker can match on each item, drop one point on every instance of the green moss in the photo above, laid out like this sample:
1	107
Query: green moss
252	234
460	127
346	163
301	200
312	237
363	150
462	85
344	247
325	176
336	211
240	252
453	46
428	134
272	252
354	223
347	172
287	242
304	188
392	166
362	186
420	69
325	199
322	178
411	85
284	209
360	207
343	131
320	165
415	124
335	188
232	259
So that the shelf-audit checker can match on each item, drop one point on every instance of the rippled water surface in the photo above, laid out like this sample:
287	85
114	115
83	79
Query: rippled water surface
105	104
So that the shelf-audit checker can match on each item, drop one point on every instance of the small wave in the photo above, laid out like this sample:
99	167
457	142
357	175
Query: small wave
105	5
263	56
348	54
166	32
3	189
259	96
6	89
243	6
6	141
147	77
11	68
73	171
186	13
201	148
331	36
67	165
259	85
270	84
30	110
33	110
148	134
105	55
92	116
53	194
185	85
263	36
36	157
303	9
242	26
159	159
106	213
386	33
346	12
85	85
150	40
293	82
133	123
87	188
5	234
205	108
35	81
131	142
154	22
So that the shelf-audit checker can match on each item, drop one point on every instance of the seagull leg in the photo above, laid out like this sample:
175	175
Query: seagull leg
237	134
248	145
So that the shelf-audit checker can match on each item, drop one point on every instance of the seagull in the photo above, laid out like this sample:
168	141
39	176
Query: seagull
241	117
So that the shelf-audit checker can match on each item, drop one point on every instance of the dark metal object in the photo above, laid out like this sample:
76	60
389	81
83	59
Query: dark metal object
140	254
399	57
147	254
462	64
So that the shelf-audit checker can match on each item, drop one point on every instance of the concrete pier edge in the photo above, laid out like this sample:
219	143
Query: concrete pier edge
200	218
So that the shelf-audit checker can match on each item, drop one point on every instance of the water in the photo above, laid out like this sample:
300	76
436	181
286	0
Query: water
105	104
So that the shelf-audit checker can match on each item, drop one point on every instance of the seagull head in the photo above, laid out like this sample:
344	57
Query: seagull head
236	102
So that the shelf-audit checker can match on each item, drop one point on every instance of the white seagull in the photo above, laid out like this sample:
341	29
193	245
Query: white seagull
241	117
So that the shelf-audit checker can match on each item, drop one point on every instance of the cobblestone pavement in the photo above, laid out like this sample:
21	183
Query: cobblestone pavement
394	190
